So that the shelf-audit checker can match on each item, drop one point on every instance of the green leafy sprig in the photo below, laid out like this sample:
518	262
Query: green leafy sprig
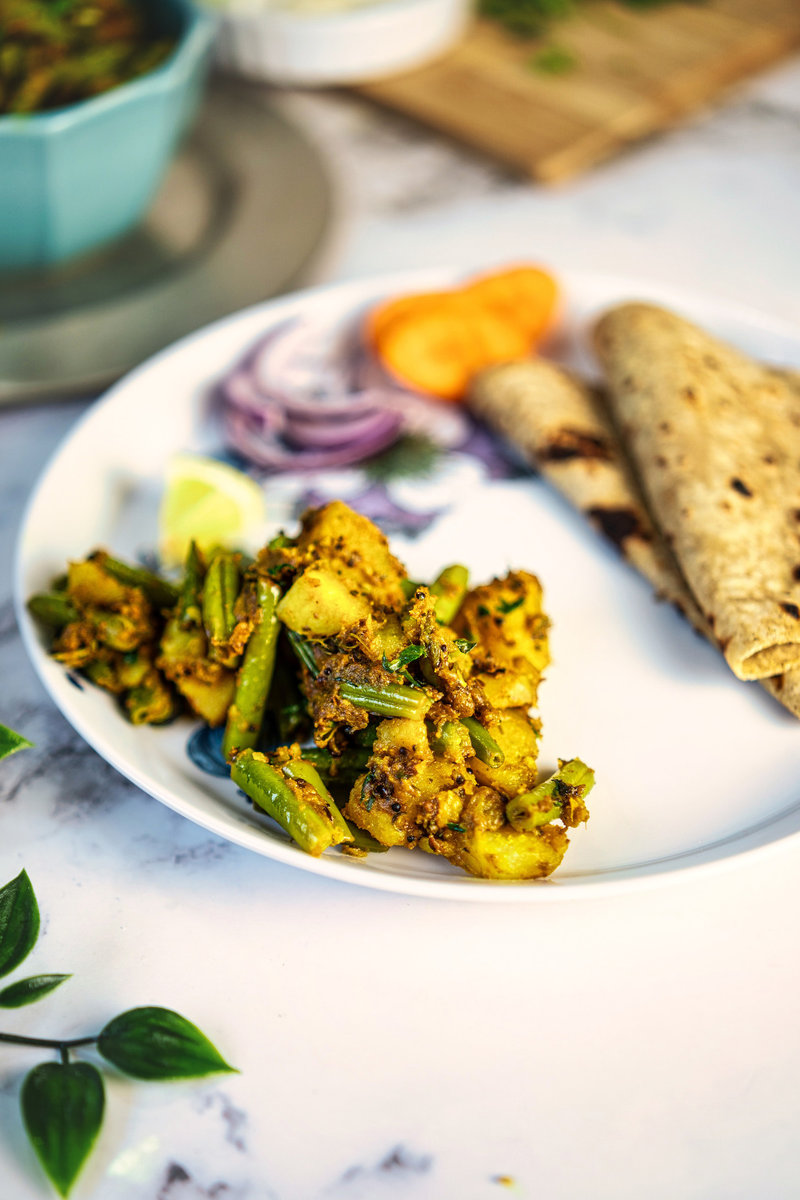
399	664
532	18
412	456
465	645
63	1102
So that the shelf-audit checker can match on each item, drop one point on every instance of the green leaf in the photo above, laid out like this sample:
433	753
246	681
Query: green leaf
26	991
409	655
465	645
507	606
10	742
156	1043
62	1107
304	653
412	456
19	922
553	60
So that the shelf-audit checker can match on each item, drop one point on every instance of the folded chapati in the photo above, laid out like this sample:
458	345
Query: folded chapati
714	438
563	429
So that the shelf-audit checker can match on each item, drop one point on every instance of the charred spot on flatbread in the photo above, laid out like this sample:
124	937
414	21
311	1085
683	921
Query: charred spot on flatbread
618	524
791	609
574	443
741	487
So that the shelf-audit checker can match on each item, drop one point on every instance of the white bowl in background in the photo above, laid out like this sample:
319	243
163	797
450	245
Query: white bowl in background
319	44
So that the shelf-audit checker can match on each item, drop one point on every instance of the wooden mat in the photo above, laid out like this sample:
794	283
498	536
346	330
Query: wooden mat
633	73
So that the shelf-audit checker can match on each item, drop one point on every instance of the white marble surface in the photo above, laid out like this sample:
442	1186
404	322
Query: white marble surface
613	1047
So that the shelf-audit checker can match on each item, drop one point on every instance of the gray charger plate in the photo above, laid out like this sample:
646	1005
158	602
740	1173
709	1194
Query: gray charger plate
237	220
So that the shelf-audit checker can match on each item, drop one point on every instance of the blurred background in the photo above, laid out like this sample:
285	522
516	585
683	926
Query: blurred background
164	163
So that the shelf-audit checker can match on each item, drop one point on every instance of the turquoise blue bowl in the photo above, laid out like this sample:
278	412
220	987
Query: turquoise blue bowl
78	177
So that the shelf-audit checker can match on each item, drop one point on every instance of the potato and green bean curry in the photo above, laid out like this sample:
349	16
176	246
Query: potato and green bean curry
59	52
361	709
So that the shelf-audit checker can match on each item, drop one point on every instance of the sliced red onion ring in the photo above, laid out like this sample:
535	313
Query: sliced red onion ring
336	433
306	397
299	354
268	451
240	393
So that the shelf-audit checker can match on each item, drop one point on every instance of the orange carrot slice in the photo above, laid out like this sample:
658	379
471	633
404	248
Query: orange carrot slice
436	341
432	349
498	339
525	296
437	349
379	317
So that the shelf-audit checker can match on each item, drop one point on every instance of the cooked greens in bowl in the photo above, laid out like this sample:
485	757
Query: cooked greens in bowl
59	52
76	173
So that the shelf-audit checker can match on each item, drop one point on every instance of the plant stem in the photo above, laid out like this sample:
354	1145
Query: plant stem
61	1044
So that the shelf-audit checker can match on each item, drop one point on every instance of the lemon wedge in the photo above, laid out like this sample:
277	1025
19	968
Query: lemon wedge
207	501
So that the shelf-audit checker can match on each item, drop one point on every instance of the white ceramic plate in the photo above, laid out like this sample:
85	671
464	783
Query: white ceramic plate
693	767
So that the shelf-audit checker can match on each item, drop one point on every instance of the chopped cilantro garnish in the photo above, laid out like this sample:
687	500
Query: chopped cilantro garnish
553	60
409	655
412	456
507	606
367	781
398	665
465	645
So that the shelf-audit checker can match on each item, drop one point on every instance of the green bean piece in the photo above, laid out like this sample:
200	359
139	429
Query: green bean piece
282	798
286	703
102	674
151	702
133	667
292	720
246	713
338	768
116	630
448	590
453	739
304	652
52	608
366	737
484	745
161	592
178	644
567	788
219	596
364	841
190	604
394	700
306	771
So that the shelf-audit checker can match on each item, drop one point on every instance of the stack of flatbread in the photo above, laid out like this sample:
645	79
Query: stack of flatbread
688	459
